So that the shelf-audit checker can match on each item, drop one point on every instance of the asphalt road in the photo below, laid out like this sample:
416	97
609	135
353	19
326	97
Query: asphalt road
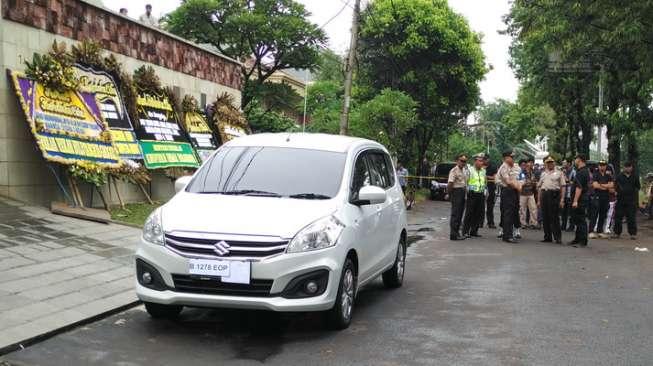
477	302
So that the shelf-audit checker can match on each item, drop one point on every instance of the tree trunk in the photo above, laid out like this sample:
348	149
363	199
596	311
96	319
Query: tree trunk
633	150
614	147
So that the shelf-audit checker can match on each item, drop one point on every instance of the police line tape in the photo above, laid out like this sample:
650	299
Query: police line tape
427	177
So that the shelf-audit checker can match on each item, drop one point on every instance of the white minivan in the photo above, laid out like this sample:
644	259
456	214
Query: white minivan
285	222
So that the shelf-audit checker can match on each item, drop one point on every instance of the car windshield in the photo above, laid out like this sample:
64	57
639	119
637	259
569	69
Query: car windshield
444	168
272	172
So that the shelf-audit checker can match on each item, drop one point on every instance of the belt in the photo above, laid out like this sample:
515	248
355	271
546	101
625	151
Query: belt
551	190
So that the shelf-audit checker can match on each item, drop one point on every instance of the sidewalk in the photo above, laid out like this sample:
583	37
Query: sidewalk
56	271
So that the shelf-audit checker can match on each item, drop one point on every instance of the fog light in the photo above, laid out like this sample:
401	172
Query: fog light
311	287
146	278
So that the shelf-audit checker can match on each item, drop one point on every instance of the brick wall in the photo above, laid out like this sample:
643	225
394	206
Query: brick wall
79	20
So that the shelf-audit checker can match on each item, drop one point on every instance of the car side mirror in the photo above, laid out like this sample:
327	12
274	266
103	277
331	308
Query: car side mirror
182	182
371	195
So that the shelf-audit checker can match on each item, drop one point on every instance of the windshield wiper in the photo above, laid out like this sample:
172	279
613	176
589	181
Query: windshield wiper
244	192
310	196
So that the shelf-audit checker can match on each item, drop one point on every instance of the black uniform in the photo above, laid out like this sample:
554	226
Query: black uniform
567	223
601	202
491	170
579	214
627	198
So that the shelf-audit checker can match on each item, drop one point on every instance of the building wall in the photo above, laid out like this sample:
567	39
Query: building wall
27	27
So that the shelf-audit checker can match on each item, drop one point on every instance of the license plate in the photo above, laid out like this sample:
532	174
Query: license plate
228	271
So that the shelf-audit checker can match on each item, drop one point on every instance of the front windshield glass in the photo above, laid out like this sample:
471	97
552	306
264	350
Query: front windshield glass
271	171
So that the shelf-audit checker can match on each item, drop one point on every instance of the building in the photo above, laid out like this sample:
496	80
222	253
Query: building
28	27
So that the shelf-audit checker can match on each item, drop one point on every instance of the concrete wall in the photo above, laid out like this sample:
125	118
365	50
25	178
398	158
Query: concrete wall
24	174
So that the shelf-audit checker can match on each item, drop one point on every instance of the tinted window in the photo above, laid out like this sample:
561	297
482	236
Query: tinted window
361	177
391	169
379	170
278	170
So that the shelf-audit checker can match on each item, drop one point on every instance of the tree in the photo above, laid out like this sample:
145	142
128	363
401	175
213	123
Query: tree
426	50
595	39
266	35
387	118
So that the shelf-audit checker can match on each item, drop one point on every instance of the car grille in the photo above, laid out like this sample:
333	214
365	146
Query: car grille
213	286
206	248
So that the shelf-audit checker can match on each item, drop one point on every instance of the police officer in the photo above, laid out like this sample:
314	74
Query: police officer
507	178
476	183
490	172
551	188
456	187
602	183
580	202
627	186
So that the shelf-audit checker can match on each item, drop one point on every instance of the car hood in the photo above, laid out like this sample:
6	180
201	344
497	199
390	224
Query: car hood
242	215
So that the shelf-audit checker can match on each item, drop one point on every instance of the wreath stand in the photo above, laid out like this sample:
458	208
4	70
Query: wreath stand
76	207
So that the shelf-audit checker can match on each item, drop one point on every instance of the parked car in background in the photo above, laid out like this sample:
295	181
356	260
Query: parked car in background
439	184
282	222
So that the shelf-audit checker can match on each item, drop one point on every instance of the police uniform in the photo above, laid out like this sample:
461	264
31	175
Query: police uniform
579	214
458	181
476	184
509	206
600	199
490	172
551	187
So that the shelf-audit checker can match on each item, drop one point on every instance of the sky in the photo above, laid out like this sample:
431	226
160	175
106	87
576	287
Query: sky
484	16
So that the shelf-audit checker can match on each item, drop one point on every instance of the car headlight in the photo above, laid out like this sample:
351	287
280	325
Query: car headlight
153	229
321	234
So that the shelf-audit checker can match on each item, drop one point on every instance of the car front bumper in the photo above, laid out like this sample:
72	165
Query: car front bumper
281	269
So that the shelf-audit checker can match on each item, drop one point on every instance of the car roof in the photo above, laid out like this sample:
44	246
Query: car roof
300	140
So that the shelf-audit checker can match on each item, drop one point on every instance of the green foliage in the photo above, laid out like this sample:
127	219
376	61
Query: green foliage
134	213
278	97
91	174
388	118
463	144
330	66
146	80
54	69
324	104
275	34
89	52
426	50
265	120
590	40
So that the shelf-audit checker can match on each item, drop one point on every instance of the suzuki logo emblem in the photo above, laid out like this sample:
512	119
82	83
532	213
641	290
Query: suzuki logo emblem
221	248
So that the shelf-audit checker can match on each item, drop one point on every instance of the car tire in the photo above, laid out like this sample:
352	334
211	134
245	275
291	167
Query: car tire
394	277
161	311
339	317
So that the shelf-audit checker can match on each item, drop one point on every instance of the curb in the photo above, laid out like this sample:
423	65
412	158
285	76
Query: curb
42	337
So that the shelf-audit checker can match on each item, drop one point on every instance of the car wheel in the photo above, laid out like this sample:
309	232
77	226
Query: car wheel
339	317
394	277
161	311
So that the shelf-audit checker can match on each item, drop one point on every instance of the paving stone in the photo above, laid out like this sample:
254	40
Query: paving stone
54	254
71	300
12	301
56	270
12	262
35	281
25	314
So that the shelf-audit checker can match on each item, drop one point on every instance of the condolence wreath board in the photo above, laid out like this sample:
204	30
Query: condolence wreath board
163	142
67	125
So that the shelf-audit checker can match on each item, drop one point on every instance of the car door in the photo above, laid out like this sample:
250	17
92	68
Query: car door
382	175
366	219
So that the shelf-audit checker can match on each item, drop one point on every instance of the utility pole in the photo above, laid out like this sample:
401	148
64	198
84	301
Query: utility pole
599	137
349	70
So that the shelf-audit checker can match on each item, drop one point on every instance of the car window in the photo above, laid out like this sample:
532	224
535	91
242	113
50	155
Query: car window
277	170
390	168
379	170
361	177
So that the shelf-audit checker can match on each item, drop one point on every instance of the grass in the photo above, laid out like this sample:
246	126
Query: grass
422	195
133	213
